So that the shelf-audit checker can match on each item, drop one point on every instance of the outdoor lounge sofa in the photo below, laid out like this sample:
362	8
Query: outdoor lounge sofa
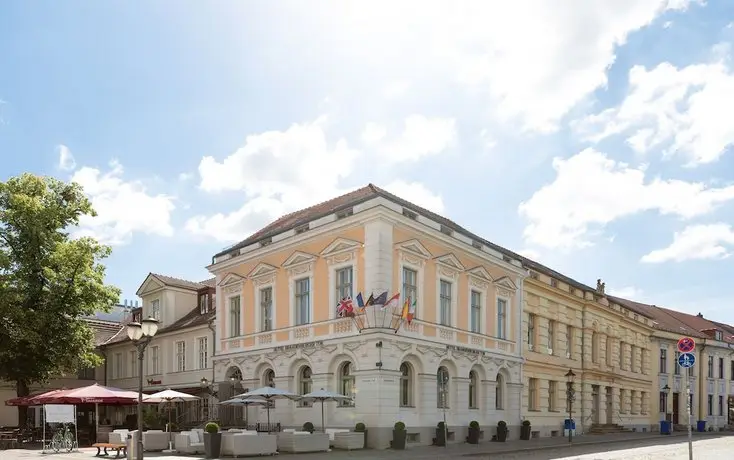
190	442
249	443
155	440
302	441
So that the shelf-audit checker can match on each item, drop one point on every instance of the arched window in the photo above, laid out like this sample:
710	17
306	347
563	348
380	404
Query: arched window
406	385
473	390
442	391
499	393
305	384
594	347
268	380
346	383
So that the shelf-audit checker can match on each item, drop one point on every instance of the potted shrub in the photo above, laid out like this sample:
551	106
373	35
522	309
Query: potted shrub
502	431
308	426
474	432
361	428
440	439
212	440
525	430
399	435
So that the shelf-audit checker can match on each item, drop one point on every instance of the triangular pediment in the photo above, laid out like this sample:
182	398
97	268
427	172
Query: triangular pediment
298	258
416	248
340	245
506	283
481	272
151	283
231	278
451	261
262	269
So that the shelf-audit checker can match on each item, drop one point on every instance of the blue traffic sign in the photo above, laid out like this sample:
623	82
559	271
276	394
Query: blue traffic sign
686	360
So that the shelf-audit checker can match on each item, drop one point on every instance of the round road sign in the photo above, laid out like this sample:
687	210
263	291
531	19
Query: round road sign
686	345
686	360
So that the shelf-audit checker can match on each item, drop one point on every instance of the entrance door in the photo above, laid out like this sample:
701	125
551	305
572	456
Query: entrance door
676	397
595	403
610	406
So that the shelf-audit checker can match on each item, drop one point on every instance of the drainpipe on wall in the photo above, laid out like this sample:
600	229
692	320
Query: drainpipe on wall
700	382
521	282
104	355
580	391
214	344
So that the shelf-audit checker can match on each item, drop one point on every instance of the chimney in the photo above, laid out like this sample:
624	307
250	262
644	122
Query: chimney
126	302
700	315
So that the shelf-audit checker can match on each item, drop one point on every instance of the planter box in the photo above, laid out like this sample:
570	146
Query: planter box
349	441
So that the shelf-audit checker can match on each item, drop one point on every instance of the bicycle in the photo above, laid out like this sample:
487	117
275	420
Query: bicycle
63	439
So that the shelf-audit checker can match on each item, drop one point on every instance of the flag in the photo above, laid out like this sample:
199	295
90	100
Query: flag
345	307
411	312
370	301
393	302
381	299
406	306
360	302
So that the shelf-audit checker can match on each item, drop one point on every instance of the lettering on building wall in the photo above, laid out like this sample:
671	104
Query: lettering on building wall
465	350
297	346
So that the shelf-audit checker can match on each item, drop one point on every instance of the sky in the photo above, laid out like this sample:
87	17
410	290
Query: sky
593	137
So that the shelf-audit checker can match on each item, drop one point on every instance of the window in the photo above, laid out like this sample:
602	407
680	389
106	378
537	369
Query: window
305	384
551	336
406	385
344	283
499	392
721	368
203	346
88	373
676	367
502	318
303	301
266	309
473	390
719	335
552	395
235	316
119	366
445	303
622	401
594	347
531	331
532	394
133	363
663	361
711	405
475	314
690	372
346	383
203	304
621	355
608	350
180	356
569	342
442	388
731	370
155	309
710	367
663	402
410	284
633	358
154	366
721	405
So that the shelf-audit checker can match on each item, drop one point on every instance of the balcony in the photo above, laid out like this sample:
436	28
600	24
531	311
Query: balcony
345	327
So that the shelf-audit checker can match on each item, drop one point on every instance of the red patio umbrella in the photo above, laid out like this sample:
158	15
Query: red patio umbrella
90	394
30	399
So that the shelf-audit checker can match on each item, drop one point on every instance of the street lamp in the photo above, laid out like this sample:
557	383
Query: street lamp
140	334
668	419
570	397
443	380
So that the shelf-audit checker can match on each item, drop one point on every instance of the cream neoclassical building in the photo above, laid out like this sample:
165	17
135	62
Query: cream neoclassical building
277	323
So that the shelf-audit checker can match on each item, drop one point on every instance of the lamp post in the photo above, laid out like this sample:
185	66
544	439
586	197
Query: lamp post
570	397
208	387
666	390
140	334
444	381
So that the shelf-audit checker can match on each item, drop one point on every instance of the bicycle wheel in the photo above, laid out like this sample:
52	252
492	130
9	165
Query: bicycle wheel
56	442
69	441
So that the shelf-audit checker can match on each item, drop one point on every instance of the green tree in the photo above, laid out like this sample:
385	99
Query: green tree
48	282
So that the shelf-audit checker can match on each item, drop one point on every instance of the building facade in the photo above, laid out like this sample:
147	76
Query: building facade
459	359
180	354
569	326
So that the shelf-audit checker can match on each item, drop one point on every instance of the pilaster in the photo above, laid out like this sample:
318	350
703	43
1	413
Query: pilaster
378	255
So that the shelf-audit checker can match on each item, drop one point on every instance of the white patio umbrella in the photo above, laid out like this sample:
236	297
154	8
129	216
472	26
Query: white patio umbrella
269	394
323	396
169	396
243	402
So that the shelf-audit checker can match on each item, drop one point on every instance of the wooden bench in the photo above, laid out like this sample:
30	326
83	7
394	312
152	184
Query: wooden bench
119	449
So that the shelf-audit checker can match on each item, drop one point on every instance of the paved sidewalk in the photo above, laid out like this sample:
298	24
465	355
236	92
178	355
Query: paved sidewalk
482	450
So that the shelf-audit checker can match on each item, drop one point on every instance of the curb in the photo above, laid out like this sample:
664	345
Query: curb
588	443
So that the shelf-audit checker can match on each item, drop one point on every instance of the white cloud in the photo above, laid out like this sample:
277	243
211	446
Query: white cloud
531	254
626	292
591	190
123	207
418	194
66	159
685	111
696	242
396	89
183	177
421	137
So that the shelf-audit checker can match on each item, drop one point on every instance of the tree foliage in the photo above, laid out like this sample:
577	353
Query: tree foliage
48	281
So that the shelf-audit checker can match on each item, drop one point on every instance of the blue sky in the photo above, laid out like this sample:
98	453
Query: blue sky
594	138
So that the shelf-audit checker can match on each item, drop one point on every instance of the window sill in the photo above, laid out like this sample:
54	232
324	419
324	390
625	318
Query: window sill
473	408
346	406
407	407
533	410
554	411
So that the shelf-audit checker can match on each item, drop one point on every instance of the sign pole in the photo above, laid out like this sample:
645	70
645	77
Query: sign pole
690	416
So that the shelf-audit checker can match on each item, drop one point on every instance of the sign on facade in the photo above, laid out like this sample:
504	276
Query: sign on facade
686	345
686	360
59	413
